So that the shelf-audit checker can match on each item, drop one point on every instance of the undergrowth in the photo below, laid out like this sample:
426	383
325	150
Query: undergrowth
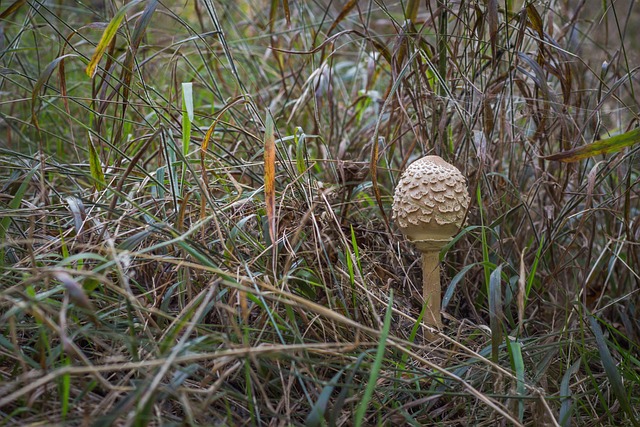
195	213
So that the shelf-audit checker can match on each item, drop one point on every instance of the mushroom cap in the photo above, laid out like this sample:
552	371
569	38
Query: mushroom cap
431	200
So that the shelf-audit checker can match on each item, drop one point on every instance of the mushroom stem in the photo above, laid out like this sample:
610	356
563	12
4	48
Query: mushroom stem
431	291
431	288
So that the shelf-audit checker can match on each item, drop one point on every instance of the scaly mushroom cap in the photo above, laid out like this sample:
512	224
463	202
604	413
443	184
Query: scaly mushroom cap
431	200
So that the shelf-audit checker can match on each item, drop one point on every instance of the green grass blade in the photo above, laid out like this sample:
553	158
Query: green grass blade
454	283
611	370
566	408
316	416
65	388
534	268
517	364
412	337
356	251
485	242
187	116
603	146
301	149
107	36
377	364
95	166
495	311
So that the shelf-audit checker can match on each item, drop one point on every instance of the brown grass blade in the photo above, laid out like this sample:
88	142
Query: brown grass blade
12	9
343	14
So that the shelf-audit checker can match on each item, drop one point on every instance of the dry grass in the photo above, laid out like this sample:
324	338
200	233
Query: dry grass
139	281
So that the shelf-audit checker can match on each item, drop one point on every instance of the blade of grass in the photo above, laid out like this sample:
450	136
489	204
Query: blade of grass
107	37
12	9
187	116
316	416
611	370
65	387
534	269
603	146
517	364
299	138
483	234
495	312
454	283
377	364
343	14
95	166
270	177
412	338
566	408
336	411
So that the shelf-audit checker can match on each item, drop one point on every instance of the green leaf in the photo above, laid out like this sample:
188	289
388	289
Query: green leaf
411	11
495	311
377	364
517	364
356	251
107	37
299	141
316	416
566	409
187	115
65	387
95	166
603	146
347	387
611	369
454	282
534	268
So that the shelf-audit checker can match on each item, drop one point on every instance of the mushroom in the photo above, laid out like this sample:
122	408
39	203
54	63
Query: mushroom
429	205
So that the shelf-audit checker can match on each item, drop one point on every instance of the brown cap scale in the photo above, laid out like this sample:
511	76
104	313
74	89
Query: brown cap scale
429	206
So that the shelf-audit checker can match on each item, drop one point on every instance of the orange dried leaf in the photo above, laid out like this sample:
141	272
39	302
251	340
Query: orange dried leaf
207	137
343	14
287	12
270	176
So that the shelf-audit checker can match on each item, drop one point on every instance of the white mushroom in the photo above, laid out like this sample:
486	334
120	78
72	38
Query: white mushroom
429	206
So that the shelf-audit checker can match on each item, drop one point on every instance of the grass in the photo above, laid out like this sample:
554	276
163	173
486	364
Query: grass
195	213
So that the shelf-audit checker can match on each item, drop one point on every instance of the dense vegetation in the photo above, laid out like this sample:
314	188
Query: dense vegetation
195	212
